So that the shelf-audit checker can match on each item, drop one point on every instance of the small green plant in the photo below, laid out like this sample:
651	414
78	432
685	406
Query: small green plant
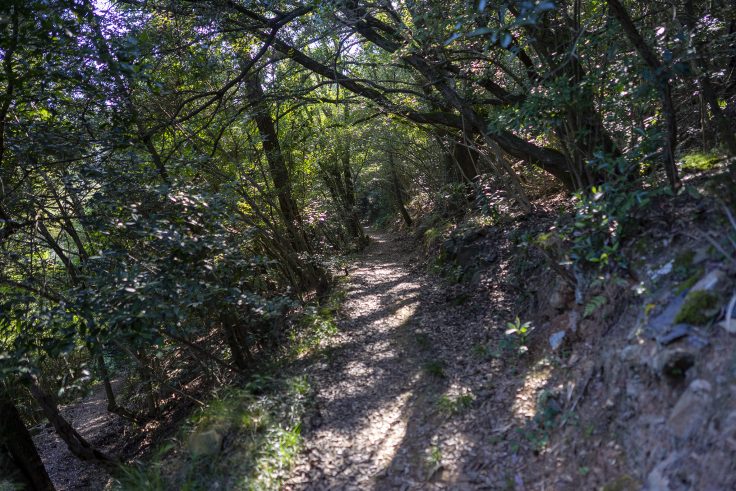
588	430
148	476
451	406
536	438
683	263
435	368
433	460
593	305
519	332
434	235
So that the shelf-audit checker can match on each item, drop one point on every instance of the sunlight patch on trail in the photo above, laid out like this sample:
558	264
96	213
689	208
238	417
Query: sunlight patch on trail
525	402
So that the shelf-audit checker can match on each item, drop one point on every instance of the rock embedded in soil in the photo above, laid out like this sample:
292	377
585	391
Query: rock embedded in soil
711	282
691	410
556	339
205	443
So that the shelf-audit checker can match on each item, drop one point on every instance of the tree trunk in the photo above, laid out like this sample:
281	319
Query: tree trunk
146	374
663	85
19	459
398	190
352	219
112	404
105	376
466	160
725	130
276	164
233	340
75	442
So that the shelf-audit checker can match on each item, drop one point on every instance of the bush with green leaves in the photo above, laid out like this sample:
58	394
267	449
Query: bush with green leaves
606	214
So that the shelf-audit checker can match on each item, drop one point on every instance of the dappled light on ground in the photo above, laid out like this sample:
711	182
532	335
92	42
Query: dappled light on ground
525	402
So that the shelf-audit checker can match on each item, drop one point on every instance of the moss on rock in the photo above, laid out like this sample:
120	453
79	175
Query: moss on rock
697	308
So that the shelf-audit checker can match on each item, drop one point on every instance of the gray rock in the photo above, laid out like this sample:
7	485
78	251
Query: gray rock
556	339
634	388
701	255
712	281
633	355
659	323
664	270
672	334
729	327
657	479
205	443
693	336
562	295
691	410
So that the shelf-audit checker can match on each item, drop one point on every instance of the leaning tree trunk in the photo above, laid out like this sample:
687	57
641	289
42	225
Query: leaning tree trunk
19	459
78	446
276	165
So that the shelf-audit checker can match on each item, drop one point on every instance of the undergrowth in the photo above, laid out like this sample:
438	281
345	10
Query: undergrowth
245	438
317	324
258	428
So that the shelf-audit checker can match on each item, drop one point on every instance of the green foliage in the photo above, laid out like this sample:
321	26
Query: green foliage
518	332
454	405
536	438
606	215
434	235
690	281
262	425
432	460
699	161
483	351
435	368
593	305
317	324
142	476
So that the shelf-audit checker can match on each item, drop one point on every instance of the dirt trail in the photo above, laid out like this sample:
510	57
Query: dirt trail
404	347
99	427
379	382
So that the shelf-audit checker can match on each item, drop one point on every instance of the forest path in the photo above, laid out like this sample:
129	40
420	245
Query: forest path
98	426
377	382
